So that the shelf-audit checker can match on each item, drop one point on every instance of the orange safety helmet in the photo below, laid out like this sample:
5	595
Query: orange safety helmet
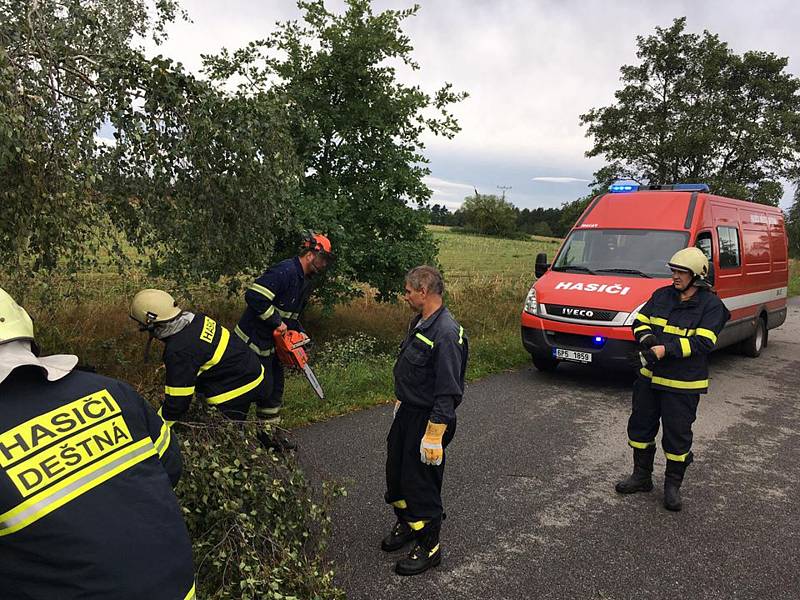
317	242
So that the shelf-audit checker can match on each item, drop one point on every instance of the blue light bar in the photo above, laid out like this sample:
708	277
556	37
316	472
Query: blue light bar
618	188
599	341
691	187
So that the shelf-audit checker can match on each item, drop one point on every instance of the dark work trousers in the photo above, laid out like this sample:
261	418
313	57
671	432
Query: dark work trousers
407	477
273	372
677	412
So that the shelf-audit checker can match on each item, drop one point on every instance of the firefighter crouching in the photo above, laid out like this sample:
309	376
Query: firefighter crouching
676	329
274	302
86	474
429	384
200	356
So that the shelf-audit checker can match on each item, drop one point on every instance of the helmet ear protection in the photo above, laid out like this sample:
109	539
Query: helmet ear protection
317	242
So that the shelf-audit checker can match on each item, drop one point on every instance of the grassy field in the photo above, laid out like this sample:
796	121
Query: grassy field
355	345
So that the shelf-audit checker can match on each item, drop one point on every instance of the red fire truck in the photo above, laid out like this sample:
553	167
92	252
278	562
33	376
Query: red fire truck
580	308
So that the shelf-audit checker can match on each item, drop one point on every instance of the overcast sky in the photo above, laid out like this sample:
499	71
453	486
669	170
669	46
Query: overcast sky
530	67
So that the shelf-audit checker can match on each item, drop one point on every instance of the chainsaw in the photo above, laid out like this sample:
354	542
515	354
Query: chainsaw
289	346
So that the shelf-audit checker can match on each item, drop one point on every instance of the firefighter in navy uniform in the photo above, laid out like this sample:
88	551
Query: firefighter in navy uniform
86	474
200	356
274	302
676	330
429	384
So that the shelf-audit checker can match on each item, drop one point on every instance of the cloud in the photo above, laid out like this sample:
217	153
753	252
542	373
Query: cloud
449	193
559	180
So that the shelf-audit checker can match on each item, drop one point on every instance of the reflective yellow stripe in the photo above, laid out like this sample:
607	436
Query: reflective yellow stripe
191	594
401	504
75	485
674	383
169	423
267	313
642	318
678	330
252	347
686	348
223	344
269	294
676	457
641	445
658	321
432	552
642	328
286	314
417	525
179	391
707	333
162	443
241	334
681	385
460	335
424	339
220	398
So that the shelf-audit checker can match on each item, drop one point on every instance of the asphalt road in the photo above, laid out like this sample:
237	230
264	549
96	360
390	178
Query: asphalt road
529	491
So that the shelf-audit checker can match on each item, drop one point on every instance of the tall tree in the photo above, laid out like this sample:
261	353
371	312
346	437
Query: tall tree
357	131
489	214
692	110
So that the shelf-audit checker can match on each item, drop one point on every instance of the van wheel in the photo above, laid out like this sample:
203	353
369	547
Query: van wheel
545	364
753	345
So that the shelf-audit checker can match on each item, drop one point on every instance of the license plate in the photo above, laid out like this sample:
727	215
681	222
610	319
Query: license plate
582	357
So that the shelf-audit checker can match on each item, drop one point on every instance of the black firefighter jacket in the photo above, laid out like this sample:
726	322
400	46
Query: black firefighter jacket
204	357
429	372
86	503
279	295
688	331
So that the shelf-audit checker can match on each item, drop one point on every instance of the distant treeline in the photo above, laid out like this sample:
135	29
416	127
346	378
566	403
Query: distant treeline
493	215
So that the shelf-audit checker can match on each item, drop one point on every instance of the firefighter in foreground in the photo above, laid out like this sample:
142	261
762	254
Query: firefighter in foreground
274	302
429	384
201	356
676	330
86	475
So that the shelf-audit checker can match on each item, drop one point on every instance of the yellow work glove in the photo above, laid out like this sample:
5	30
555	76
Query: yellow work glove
430	448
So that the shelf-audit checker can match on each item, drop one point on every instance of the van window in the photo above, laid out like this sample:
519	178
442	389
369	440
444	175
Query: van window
704	243
729	256
630	251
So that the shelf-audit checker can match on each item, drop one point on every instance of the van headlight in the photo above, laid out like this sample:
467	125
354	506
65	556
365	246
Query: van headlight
531	307
632	317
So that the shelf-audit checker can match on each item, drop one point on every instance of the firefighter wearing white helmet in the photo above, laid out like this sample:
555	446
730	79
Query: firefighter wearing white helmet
200	356
86	475
675	330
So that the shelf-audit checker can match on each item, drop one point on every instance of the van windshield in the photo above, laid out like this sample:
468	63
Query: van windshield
633	252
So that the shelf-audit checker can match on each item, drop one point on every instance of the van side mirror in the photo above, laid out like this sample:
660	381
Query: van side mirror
541	264
710	277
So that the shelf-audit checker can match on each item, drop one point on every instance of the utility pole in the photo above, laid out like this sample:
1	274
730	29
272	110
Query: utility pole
504	189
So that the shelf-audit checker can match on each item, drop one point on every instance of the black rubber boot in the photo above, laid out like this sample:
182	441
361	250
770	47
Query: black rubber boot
400	535
673	478
426	553
276	440
641	480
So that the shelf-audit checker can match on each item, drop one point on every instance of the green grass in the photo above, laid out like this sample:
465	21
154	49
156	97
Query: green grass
355	346
794	277
465	255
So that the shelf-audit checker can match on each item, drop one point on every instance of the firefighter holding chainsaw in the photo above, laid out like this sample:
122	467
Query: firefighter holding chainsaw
429	384
274	302
200	356
676	330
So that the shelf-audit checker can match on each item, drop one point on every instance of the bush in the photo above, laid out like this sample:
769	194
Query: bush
257	530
